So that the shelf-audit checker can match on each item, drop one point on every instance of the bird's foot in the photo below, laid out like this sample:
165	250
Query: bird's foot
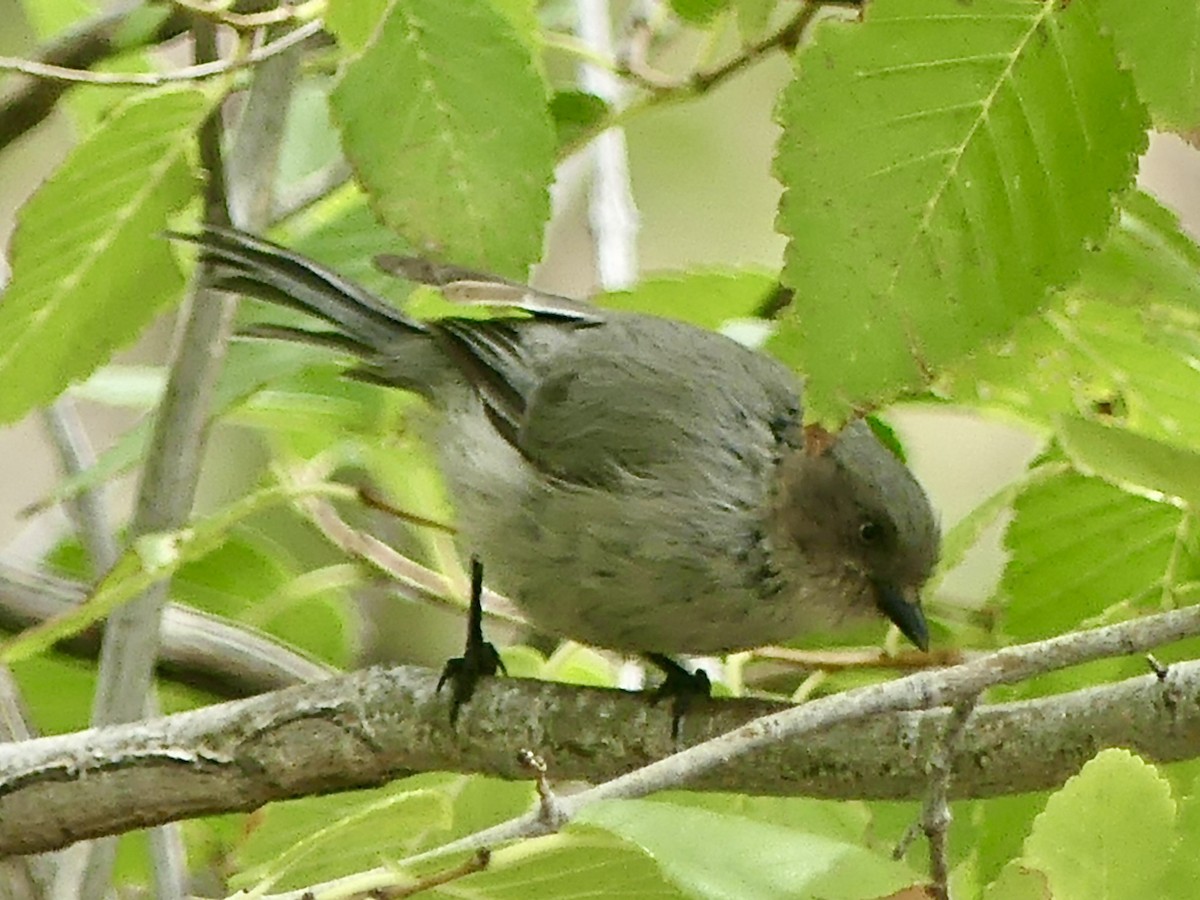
479	660
682	686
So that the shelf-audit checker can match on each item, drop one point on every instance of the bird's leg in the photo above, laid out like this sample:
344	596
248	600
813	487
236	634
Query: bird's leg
682	686
479	658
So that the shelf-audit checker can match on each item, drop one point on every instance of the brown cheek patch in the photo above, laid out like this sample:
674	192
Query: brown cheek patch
818	440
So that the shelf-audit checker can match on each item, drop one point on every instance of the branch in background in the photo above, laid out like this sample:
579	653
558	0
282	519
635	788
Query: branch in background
83	46
660	89
170	472
220	14
612	212
124	690
197	72
80	48
844	659
369	727
310	189
198	649
89	515
412	580
88	508
935	814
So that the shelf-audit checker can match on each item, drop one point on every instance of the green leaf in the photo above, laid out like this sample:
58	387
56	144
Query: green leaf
50	17
580	863
753	16
89	268
1183	872
707	299
1125	458
945	165
523	16
713	855
1160	42
458	152
967	531
249	579
574	113
1146	259
998	827
310	142
247	368
353	22
1017	883
1102	835
1080	546
1135	365
58	690
698	12
317	839
843	820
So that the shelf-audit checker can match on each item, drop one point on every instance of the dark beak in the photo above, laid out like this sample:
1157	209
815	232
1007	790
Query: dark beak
905	614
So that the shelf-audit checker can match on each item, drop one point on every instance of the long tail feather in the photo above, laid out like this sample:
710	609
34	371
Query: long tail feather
259	268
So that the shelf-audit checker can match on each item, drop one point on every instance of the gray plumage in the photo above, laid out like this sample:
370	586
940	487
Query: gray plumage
630	481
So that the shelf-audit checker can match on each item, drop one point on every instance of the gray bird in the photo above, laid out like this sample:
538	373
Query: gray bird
631	482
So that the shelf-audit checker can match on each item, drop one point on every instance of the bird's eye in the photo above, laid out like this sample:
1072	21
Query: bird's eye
870	532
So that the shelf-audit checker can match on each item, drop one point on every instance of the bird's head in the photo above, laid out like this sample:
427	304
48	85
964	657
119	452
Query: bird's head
858	524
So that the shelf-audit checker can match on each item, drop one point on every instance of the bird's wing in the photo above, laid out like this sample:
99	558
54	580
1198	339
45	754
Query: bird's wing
574	400
597	400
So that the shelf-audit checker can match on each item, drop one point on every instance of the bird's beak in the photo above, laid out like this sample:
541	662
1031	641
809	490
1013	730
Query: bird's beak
905	613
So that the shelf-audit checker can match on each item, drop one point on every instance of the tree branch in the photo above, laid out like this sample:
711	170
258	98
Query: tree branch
369	727
660	90
197	72
198	649
80	48
91	42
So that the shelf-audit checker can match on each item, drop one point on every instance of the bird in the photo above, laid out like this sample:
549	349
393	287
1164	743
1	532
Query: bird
631	482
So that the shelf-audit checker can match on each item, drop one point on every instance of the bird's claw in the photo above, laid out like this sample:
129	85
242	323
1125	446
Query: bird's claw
480	659
464	672
682	686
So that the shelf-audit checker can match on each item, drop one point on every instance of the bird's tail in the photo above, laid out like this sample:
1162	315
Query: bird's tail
246	264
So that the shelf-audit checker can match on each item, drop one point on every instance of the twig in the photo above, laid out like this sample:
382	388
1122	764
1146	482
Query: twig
634	61
170	473
786	38
310	189
374	501
935	814
549	811
864	658
412	579
91	524
197	72
26	106
87	508
469	866
702	82
258	139
125	675
221	15
1160	671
